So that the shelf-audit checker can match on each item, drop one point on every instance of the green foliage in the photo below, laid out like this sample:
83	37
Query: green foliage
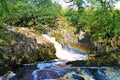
27	13
100	23
2	34
72	16
1	50
103	24
79	5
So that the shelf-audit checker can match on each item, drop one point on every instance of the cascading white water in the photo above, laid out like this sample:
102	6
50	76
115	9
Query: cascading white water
64	53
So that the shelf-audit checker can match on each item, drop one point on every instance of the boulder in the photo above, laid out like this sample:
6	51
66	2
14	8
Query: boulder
23	46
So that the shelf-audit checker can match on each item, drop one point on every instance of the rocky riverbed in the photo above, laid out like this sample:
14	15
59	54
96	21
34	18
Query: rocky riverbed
58	70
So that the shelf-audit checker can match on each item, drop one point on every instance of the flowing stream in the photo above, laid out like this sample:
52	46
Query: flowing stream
67	53
58	69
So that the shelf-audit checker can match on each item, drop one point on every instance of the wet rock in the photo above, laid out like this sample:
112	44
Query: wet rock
24	76
25	73
78	77
77	63
7	76
46	74
47	70
86	74
72	76
99	75
108	74
112	73
53	70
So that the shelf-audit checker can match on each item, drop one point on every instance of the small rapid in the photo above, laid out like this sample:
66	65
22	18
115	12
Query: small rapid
65	52
58	69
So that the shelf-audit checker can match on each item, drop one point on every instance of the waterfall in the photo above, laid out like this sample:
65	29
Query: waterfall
65	52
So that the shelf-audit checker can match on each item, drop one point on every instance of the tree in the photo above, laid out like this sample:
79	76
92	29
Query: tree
76	2
23	12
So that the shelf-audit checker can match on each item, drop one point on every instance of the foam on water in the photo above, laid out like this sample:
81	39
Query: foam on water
100	73
46	66
62	52
67	53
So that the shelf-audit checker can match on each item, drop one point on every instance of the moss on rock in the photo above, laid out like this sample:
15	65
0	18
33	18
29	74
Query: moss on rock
19	49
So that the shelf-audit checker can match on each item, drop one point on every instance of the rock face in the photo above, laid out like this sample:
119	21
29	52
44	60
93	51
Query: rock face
25	46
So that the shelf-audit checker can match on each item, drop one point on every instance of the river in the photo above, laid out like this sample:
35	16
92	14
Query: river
57	69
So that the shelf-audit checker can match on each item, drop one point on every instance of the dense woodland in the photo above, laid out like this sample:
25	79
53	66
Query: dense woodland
100	20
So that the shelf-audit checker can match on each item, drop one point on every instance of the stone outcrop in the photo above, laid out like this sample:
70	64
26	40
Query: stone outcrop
23	46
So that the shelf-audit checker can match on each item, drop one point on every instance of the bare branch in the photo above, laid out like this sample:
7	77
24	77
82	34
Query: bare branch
67	1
